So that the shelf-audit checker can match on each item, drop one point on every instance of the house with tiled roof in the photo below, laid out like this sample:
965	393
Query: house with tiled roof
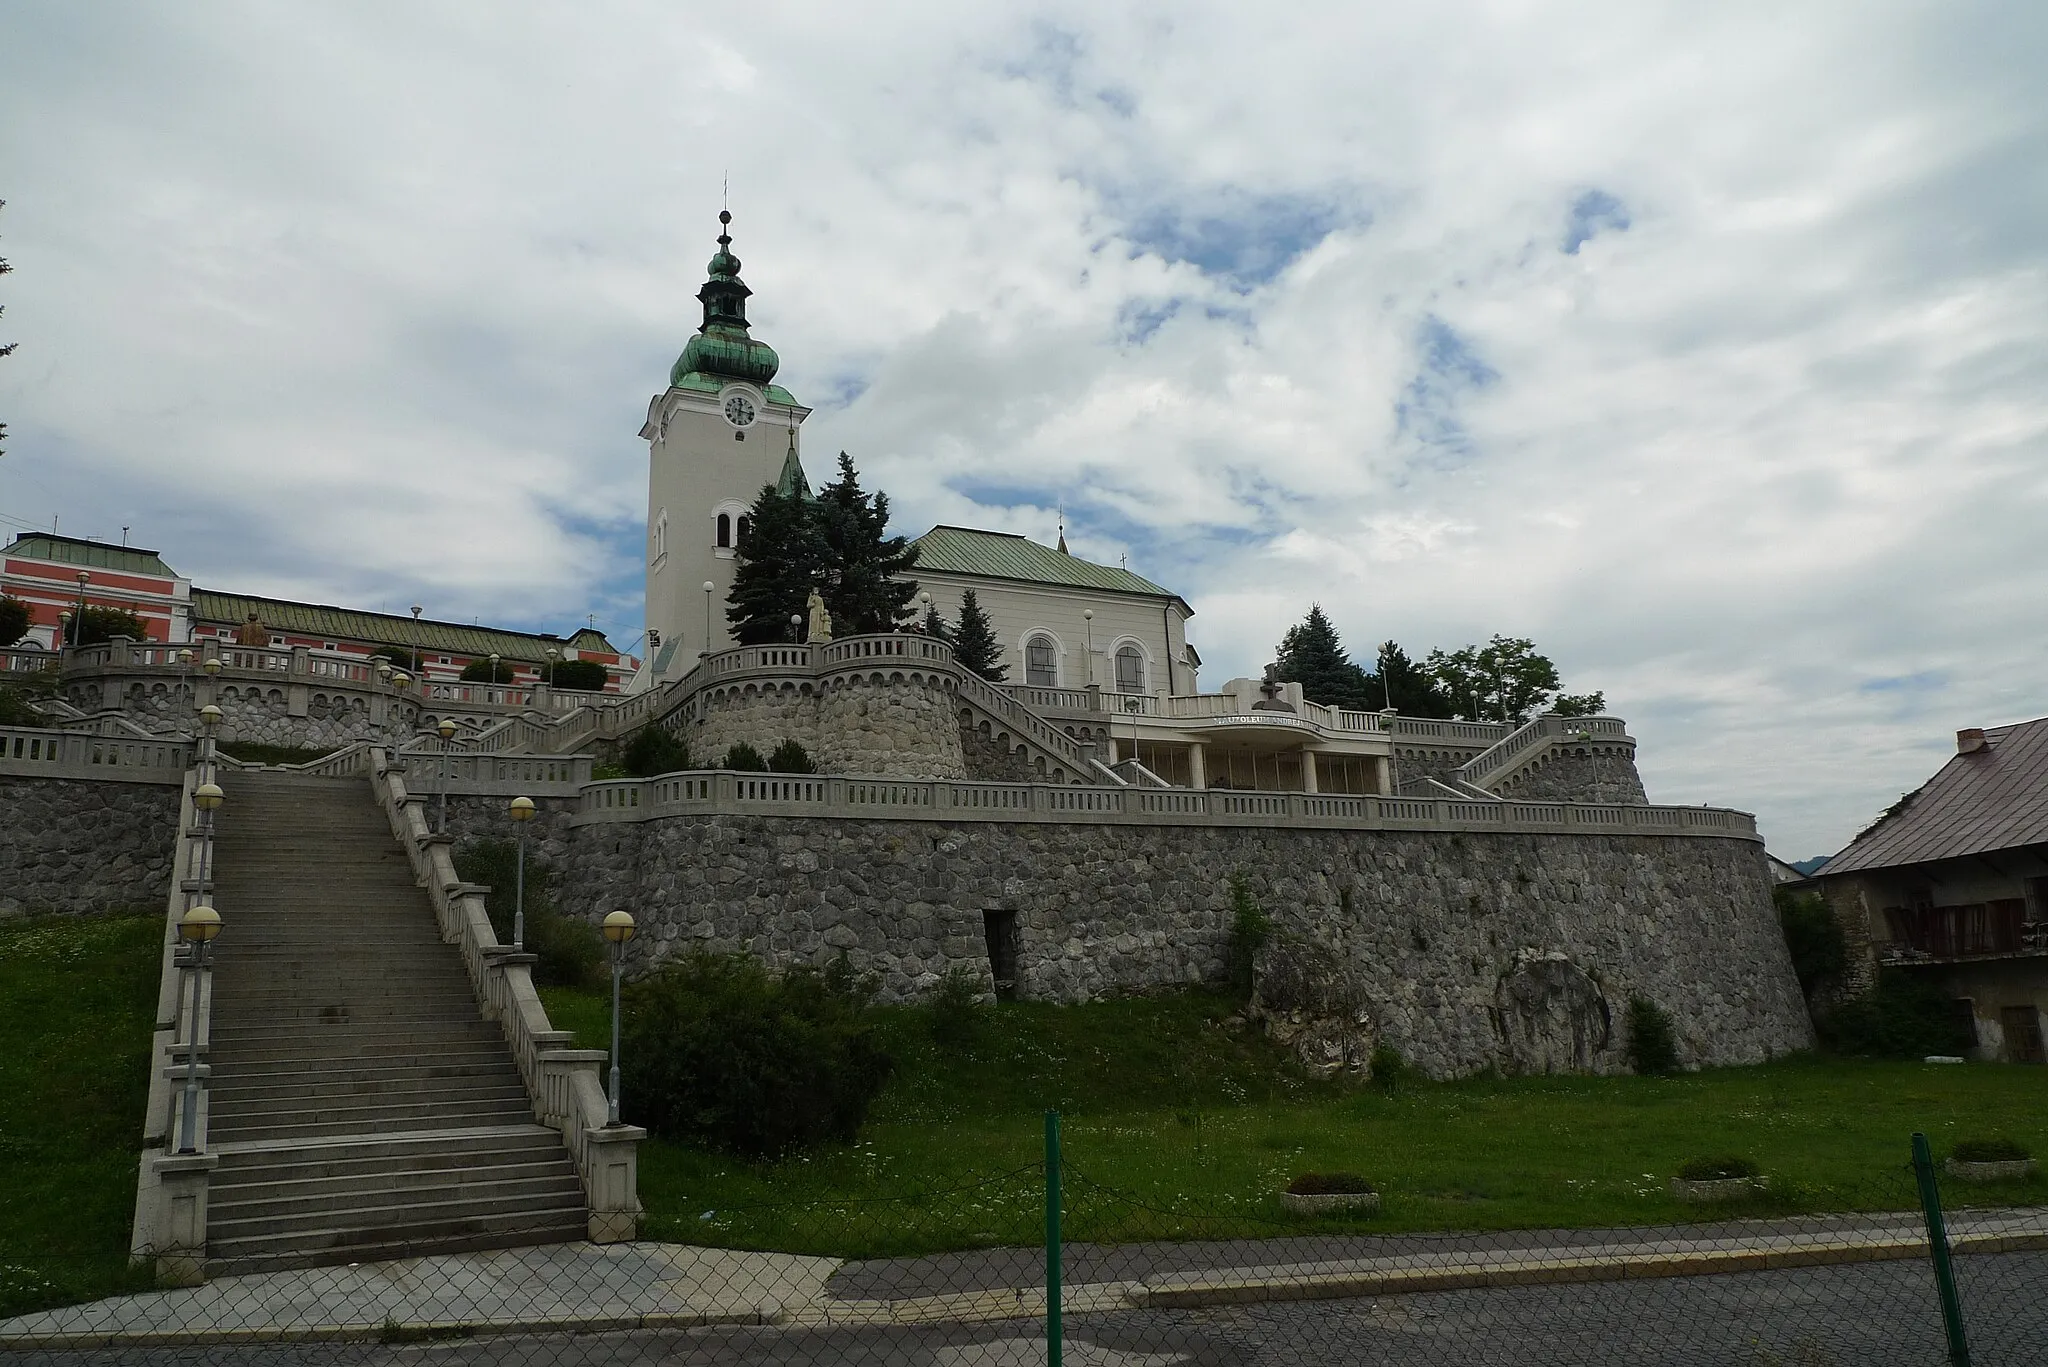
1951	884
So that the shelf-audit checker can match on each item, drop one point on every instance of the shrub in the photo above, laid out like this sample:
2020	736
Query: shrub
1387	1068
744	758
14	620
567	952
953	1011
1990	1151
720	1053
1717	1169
1813	938
401	657
105	623
251	753
1250	928
1330	1184
1652	1044
15	709
654	749
576	676
480	671
1903	1017
791	758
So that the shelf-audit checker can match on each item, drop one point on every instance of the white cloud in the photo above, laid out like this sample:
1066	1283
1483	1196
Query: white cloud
365	304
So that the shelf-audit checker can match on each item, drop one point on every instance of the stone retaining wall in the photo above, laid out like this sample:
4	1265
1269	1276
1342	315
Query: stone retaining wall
903	727
1462	951
79	847
1579	773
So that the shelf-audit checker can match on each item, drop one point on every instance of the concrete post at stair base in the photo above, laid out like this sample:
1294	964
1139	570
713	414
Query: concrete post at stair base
558	1071
614	1181
180	1250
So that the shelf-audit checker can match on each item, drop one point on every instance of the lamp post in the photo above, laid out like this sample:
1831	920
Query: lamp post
708	587
618	928
1088	625
924	600
209	717
522	812
416	611
400	680
185	677
78	621
796	627
196	928
63	628
207	797
493	695
446	726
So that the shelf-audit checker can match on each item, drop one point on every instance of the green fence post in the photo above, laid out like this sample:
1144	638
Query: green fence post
1052	1239
1937	1245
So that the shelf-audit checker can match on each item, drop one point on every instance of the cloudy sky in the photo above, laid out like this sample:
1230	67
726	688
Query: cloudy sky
1705	345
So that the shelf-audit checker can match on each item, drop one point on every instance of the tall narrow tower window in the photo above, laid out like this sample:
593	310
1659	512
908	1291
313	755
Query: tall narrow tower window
725	531
746	525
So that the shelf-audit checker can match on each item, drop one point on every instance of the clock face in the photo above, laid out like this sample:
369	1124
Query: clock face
739	410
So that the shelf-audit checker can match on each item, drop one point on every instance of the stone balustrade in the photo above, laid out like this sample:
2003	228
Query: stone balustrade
46	752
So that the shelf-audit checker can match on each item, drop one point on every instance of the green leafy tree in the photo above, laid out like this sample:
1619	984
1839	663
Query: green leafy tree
654	749
576	676
781	559
482	671
1405	686
1312	655
974	641
1814	939
102	623
14	620
866	584
1579	704
1505	680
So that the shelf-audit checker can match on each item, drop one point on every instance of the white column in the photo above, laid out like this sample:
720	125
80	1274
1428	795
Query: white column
1383	768
1308	770
1197	776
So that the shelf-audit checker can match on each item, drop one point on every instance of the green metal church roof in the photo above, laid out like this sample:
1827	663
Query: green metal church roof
1005	555
331	623
71	550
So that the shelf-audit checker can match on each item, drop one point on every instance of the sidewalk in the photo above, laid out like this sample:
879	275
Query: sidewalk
655	1286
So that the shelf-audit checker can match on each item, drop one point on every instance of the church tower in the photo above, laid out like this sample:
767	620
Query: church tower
719	432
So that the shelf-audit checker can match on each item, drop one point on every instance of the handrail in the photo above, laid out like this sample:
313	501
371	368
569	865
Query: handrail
723	792
1490	765
50	752
562	1082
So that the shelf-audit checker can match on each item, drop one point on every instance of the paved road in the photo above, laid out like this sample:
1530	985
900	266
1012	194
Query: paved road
1879	1314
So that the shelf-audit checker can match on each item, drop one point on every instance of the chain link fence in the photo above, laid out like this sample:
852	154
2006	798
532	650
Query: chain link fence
1055	1267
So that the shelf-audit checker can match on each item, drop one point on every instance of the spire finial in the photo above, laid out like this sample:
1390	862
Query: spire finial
1063	529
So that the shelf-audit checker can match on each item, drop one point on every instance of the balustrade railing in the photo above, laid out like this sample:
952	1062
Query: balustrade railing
56	753
1498	760
26	661
724	792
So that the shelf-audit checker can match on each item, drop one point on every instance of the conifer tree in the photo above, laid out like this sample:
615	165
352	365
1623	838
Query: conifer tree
1405	686
865	570
934	624
1312	655
974	641
780	559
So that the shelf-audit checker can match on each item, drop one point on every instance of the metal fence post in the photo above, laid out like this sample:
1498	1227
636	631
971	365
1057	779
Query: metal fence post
1053	1344
1937	1247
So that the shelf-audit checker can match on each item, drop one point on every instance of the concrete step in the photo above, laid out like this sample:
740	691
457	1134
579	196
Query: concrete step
423	1102
226	1127
357	1246
263	1050
292	1089
350	1153
400	1175
314	1202
398	1223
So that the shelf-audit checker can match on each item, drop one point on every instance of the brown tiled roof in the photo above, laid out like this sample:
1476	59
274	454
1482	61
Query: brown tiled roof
1994	799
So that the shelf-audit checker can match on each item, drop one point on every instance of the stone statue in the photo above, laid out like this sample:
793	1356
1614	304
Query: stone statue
821	620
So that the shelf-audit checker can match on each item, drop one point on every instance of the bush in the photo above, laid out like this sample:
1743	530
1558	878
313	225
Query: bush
251	753
1903	1017
567	952
15	709
1387	1068
720	1053
480	671
1652	1044
791	758
654	749
105	623
1330	1184
576	676
1250	928
744	758
1813	938
14	620
953	1011
1717	1169
1990	1151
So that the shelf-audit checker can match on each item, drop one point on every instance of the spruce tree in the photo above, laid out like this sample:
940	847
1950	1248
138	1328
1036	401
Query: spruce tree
1405	686
866	583
974	641
935	625
780	559
1312	656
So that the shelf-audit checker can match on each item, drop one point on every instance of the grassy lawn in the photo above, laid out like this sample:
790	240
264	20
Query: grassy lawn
1177	1125
77	1003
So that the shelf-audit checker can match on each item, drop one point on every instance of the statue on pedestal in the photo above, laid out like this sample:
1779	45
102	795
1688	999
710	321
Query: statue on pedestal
821	620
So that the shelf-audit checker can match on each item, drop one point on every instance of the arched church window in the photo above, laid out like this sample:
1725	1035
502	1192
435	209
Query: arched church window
746	525
1041	662
1130	670
725	531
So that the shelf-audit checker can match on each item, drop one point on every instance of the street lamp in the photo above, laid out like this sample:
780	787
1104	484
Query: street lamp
1088	624
522	812
618	928
207	797
185	676
64	628
79	620
209	717
494	677
708	586
416	611
796	627
196	928
924	600
446	726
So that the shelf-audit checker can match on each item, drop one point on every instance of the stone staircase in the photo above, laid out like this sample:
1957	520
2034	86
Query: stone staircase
361	1106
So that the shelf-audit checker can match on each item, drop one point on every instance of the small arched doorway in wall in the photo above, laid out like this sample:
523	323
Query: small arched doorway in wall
999	930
